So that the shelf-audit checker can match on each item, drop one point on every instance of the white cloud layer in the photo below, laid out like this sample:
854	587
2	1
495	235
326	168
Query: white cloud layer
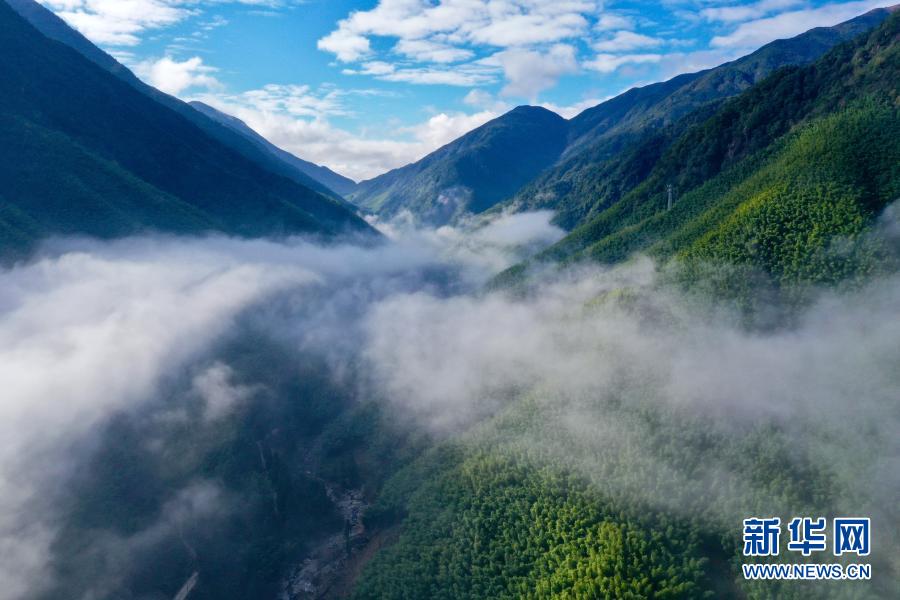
118	22
747	12
495	23
82	336
123	22
608	63
453	31
759	31
175	77
296	119
623	41
529	72
93	328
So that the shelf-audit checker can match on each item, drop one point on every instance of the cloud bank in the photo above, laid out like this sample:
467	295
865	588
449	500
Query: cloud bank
94	329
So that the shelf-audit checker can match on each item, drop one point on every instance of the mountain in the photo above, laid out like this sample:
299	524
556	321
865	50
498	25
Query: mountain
45	21
333	181
664	103
473	173
782	184
767	182
605	151
612	144
88	153
387	435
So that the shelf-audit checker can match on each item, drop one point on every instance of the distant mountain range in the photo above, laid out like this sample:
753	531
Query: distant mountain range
91	150
642	121
767	181
529	159
95	151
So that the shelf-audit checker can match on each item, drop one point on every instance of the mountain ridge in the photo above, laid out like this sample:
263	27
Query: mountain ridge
331	179
585	181
472	173
53	27
89	154
580	180
759	182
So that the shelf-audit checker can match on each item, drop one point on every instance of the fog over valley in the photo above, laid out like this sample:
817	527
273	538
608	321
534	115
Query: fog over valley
177	343
449	300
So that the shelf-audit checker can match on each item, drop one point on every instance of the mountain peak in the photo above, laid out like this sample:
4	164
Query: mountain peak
528	109
473	173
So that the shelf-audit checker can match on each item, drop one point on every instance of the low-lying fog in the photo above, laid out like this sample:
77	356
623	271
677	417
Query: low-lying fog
91	329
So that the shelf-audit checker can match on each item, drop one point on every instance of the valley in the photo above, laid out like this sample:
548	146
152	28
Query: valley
556	357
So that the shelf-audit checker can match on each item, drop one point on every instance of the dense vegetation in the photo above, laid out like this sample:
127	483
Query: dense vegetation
615	497
781	211
777	176
239	498
608	492
618	495
614	146
89	153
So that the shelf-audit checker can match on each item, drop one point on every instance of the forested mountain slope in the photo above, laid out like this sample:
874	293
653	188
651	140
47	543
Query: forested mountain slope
613	146
577	168
89	154
45	21
617	492
473	173
806	155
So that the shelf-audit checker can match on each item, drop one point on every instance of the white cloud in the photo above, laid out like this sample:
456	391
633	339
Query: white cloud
531	28
611	21
122	22
461	77
435	34
445	127
758	32
296	119
623	41
746	12
676	63
529	72
90	329
93	331
608	63
82	336
348	47
375	67
174	77
485	100
220	395
118	22
295	100
429	51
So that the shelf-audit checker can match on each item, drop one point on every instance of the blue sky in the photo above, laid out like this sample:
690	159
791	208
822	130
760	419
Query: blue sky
364	86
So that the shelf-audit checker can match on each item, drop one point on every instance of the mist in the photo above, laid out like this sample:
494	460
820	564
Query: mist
91	330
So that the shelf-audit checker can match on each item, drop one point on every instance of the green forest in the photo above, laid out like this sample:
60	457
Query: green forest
779	190
730	226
